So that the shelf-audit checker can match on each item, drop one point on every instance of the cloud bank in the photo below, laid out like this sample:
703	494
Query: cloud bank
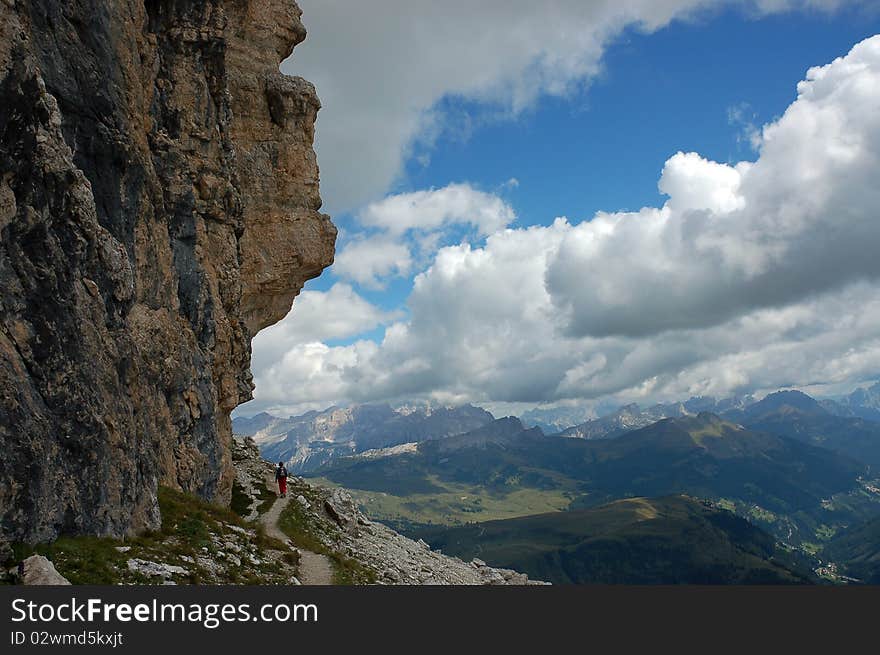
754	275
404	228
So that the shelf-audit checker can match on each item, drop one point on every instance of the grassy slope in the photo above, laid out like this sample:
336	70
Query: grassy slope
188	525
853	437
671	540
857	551
456	504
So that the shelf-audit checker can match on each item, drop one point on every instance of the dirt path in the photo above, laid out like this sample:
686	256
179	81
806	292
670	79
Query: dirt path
314	568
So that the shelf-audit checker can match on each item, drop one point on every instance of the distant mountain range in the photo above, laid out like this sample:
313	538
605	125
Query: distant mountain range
306	442
557	419
504	432
804	470
797	415
671	540
632	416
789	487
828	423
626	419
861	403
312	439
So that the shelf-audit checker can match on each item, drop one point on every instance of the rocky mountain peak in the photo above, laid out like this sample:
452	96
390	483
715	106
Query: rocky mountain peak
787	401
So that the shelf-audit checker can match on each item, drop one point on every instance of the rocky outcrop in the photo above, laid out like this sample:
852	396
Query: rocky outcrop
37	570
158	205
250	476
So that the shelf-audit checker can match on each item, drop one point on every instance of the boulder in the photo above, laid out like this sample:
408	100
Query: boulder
342	509
40	571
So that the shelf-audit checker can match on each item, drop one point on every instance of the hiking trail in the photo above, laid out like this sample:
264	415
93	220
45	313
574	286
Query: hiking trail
314	568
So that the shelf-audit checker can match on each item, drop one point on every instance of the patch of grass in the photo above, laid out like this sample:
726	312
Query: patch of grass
82	560
707	431
182	511
347	571
761	515
810	548
825	532
188	526
301	530
726	503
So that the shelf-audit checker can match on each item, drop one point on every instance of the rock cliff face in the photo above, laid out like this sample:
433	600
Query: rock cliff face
158	206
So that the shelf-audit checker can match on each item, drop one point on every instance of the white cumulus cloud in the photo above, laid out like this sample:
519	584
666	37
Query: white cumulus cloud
419	221
339	313
381	68
801	220
752	275
435	208
370	261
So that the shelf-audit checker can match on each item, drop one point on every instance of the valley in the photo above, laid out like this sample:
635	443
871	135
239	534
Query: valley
670	540
798	492
455	504
794	471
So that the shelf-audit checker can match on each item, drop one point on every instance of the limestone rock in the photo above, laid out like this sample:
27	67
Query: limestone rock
159	204
249	473
40	571
155	569
341	508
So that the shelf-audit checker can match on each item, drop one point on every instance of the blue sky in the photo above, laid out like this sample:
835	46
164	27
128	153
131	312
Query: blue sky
602	147
696	85
671	90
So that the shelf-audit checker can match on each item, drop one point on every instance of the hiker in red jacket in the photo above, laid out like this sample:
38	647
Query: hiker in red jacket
281	479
